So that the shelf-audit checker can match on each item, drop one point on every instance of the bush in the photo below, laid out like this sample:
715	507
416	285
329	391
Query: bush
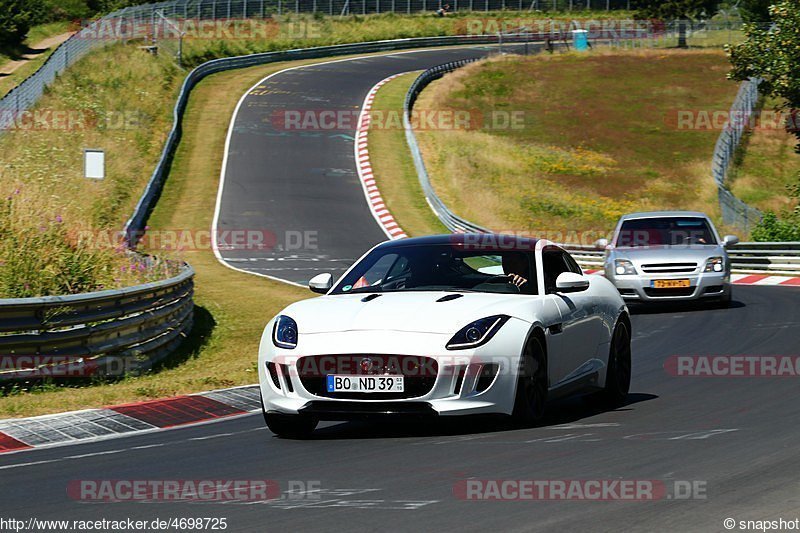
784	229
17	17
773	229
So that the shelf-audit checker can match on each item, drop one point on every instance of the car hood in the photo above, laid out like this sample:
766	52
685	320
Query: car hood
668	254
403	311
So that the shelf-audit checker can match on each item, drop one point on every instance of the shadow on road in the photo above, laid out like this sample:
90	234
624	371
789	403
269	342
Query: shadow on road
681	307
559	412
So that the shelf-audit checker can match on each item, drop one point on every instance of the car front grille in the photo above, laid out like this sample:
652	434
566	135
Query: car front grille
664	293
669	268
419	374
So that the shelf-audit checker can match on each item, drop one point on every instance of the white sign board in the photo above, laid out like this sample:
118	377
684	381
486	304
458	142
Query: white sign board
94	164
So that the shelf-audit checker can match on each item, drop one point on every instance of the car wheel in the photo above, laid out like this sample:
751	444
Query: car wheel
618	373
529	403
289	426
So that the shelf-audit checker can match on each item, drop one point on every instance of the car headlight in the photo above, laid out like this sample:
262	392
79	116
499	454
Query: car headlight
623	267
284	333
477	333
715	264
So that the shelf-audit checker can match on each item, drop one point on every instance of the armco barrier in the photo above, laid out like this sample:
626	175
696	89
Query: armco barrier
778	258
110	332
450	220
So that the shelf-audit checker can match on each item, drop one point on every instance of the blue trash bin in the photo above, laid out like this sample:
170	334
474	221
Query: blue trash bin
580	40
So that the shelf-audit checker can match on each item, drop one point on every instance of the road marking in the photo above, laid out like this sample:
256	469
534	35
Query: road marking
212	436
109	452
583	426
679	434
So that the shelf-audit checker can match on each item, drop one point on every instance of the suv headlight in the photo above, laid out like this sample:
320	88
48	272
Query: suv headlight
715	264
623	267
477	333
284	333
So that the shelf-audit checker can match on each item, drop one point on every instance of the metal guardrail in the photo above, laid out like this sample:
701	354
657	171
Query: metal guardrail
779	258
110	332
450	220
734	211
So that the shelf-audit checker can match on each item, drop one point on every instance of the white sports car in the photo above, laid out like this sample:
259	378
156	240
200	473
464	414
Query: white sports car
441	326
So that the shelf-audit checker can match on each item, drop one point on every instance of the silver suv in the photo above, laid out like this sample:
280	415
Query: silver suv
667	256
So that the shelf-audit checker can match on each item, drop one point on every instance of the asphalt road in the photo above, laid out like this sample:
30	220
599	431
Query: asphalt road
298	184
734	439
737	437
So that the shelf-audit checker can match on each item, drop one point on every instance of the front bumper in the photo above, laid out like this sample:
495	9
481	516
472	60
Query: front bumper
639	288
453	391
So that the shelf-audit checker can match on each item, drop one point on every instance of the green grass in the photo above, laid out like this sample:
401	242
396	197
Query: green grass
598	139
392	164
766	164
120	100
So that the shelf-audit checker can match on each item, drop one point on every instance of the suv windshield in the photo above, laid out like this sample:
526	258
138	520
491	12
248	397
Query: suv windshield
442	267
665	231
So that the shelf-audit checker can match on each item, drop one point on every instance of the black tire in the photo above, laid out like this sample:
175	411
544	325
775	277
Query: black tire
531	395
618	374
289	426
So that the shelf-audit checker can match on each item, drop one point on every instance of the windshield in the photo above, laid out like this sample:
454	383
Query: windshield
665	231
441	268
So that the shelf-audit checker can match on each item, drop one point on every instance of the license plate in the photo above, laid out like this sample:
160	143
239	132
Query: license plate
365	383
671	283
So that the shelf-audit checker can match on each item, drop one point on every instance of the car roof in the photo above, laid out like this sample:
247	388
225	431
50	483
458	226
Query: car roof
663	214
485	241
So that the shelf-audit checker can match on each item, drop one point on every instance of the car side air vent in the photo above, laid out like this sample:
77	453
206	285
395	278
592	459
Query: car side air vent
449	297
369	297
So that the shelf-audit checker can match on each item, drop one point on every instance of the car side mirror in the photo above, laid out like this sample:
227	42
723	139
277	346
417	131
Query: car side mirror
571	282
601	244
730	240
321	283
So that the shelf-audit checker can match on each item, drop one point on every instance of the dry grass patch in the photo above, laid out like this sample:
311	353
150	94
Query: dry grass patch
598	137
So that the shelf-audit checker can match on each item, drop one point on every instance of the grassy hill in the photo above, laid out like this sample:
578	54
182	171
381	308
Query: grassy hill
600	136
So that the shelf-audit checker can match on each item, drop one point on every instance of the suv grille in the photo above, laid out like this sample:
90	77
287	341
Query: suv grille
419	371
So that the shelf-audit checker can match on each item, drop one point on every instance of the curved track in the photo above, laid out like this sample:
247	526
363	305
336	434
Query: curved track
737	437
299	186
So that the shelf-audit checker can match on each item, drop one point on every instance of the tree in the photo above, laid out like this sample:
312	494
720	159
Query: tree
755	10
675	9
773	54
17	17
